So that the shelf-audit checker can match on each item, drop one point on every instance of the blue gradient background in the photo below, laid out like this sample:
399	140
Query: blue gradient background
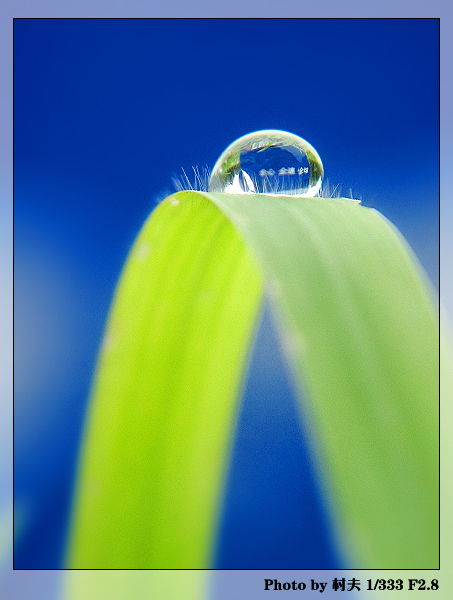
106	112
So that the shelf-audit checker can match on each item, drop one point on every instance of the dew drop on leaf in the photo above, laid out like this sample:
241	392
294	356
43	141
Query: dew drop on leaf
269	162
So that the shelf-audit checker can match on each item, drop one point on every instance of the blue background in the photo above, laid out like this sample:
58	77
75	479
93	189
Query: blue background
106	112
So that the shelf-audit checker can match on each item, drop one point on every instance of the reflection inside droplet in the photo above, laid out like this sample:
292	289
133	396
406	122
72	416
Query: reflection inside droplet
268	162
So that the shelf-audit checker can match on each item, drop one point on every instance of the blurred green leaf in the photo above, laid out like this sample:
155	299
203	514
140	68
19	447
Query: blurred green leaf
136	585
360	329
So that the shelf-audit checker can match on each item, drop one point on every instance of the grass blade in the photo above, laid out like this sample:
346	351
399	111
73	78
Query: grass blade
359	326
164	400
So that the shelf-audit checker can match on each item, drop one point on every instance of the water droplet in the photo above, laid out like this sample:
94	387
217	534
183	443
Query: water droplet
268	162
143	251
107	342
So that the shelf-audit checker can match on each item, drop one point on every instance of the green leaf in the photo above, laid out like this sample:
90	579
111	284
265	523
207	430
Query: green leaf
164	400
359	325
